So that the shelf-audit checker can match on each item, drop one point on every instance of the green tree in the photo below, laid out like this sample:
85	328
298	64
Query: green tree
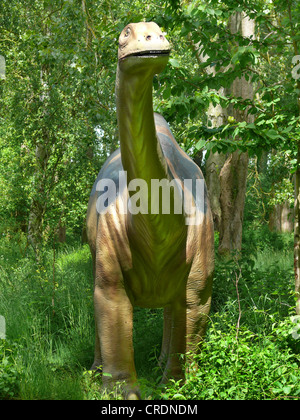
54	97
57	116
266	61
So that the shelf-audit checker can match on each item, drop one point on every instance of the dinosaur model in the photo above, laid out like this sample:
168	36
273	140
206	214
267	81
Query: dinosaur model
143	258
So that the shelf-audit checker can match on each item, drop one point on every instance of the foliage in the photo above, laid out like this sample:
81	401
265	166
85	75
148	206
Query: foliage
265	60
58	96
269	184
10	372
259	357
249	368
58	124
50	327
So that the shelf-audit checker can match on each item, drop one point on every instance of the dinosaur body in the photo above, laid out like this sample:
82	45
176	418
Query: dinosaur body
145	258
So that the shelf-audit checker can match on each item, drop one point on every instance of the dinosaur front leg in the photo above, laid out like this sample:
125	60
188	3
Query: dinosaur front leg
97	364
114	315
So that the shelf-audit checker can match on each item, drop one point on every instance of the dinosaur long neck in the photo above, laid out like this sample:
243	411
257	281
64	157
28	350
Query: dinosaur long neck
141	153
143	158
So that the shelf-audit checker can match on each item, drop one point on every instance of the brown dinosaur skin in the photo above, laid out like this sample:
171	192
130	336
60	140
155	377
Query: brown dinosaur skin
147	260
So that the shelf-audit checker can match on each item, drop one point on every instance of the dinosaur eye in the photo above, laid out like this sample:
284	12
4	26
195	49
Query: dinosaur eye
127	32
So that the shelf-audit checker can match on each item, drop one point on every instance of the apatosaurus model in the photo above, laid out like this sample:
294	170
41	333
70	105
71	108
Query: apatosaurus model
143	258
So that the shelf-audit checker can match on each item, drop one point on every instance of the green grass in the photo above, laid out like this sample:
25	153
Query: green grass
50	327
49	323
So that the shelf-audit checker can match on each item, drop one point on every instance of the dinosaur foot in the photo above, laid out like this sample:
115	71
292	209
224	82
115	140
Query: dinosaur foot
175	374
97	366
120	387
120	390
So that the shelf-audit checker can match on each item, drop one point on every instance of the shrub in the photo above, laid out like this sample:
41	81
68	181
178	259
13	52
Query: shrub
242	368
9	372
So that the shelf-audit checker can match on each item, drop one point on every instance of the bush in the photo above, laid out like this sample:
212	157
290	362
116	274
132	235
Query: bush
9	372
245	367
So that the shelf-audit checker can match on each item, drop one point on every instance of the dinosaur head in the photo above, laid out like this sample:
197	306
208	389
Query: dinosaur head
143	43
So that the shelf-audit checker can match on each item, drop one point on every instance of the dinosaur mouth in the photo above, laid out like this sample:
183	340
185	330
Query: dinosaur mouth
149	53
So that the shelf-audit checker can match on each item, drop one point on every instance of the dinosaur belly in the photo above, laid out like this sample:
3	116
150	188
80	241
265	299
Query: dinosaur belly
158	275
154	289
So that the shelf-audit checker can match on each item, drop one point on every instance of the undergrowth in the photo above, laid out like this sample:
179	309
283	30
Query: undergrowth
247	367
251	349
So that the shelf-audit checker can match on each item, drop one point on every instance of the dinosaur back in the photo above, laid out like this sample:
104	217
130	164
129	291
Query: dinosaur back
179	163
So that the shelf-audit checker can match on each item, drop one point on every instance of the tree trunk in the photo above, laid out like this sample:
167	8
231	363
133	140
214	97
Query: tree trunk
233	176
38	204
214	164
297	234
216	117
293	32
39	201
2	67
282	218
233	181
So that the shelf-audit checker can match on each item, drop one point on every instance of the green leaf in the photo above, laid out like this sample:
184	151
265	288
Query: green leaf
251	125
200	144
287	389
179	397
273	134
167	92
108	375
174	62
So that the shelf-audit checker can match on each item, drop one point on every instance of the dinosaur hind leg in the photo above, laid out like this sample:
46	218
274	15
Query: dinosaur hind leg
174	341
166	338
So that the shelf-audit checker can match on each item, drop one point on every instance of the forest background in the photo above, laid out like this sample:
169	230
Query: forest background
231	96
